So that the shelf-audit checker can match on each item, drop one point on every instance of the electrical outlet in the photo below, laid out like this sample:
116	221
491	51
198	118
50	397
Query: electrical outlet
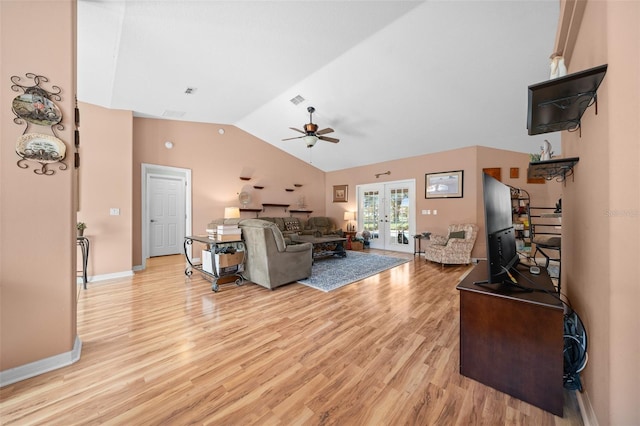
114	211
424	212
428	211
435	212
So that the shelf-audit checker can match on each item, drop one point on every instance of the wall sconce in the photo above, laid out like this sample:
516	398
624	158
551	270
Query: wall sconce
168	144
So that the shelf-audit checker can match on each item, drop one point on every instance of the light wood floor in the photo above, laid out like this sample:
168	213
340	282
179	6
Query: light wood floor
160	348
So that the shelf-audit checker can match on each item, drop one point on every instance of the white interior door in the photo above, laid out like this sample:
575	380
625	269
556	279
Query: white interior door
166	197
387	211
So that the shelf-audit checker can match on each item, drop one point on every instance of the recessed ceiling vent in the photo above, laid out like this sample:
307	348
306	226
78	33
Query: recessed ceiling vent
298	99
190	90
173	114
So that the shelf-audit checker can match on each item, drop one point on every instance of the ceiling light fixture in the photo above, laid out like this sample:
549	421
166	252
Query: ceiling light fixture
310	140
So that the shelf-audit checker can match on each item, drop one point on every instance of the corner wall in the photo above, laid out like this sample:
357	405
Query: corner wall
106	153
37	213
469	208
217	162
601	212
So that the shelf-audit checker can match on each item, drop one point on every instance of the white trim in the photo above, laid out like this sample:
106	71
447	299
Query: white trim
114	275
23	372
586	409
155	169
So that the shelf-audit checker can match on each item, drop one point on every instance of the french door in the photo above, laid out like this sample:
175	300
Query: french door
387	212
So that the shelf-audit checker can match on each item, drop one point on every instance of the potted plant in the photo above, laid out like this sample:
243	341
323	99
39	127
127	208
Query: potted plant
81	226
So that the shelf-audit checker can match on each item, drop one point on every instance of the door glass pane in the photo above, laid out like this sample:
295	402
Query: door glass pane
371	212
399	215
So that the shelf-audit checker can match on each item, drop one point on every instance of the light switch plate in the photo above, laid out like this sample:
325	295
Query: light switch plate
114	211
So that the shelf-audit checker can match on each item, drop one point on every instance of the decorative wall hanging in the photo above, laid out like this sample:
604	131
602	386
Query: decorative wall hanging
340	193
494	172
36	106
444	185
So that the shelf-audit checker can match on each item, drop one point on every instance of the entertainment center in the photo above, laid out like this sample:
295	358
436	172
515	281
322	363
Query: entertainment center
511	315
512	340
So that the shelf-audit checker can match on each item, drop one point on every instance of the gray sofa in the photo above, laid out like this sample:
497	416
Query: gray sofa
270	262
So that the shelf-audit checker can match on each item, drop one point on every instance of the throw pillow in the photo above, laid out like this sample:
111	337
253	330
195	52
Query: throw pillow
292	225
457	234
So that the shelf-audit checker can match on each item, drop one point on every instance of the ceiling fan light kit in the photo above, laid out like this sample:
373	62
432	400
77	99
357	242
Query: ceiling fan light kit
311	134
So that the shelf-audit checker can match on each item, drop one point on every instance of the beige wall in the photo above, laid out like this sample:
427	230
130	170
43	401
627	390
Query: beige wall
601	210
217	162
469	208
37	214
105	182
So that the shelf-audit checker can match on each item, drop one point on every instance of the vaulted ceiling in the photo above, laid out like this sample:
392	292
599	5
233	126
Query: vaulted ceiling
394	79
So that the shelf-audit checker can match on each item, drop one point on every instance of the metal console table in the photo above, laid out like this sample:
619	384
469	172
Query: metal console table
216	273
83	242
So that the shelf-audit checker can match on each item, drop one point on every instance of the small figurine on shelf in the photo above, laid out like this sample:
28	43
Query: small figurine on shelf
546	153
81	226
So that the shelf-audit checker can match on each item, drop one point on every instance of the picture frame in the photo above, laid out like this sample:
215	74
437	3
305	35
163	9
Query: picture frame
444	184
494	172
340	193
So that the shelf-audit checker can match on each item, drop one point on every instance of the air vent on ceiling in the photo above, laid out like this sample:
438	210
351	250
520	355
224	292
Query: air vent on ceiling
173	114
298	99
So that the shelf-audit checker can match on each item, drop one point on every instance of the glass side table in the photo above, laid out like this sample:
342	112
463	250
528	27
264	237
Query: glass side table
417	242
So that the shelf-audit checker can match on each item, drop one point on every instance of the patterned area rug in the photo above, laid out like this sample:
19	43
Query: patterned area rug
334	272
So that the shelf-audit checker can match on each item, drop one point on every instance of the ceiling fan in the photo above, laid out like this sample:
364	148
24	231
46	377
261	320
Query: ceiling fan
311	134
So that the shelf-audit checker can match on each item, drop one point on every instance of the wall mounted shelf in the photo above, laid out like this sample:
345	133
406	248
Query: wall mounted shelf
244	178
558	104
256	211
258	187
558	169
265	205
307	212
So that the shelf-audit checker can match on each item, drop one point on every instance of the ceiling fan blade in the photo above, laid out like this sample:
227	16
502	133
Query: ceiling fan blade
324	131
297	137
328	139
297	130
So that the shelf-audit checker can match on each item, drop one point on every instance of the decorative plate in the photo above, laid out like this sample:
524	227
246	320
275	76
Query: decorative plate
41	148
36	109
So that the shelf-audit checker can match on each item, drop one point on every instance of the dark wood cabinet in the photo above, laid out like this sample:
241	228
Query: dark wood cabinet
512	340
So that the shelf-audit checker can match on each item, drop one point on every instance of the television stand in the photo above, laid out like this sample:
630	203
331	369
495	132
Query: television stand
512	340
506	285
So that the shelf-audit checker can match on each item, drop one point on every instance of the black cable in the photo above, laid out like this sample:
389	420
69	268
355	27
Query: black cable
575	340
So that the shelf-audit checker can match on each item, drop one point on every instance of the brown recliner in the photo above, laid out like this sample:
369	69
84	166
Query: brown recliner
270	262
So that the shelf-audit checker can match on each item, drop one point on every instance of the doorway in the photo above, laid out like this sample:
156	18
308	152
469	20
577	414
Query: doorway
166	210
387	212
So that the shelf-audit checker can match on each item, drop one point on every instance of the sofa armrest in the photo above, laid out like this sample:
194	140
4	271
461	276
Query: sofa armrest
299	247
439	240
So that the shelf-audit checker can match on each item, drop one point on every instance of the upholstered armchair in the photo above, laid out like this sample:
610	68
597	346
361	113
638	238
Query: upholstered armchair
270	262
455	248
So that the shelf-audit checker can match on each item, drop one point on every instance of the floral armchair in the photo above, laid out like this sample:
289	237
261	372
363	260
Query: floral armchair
455	248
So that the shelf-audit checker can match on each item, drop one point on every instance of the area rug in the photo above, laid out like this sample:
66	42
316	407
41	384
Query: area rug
335	272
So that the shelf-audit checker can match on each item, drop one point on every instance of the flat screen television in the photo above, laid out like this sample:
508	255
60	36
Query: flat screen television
500	233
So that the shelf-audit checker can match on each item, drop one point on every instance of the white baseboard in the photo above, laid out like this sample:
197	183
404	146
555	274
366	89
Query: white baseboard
586	409
104	277
42	366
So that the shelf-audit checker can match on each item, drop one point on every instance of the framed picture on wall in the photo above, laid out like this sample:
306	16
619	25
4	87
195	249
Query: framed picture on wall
444	184
340	193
